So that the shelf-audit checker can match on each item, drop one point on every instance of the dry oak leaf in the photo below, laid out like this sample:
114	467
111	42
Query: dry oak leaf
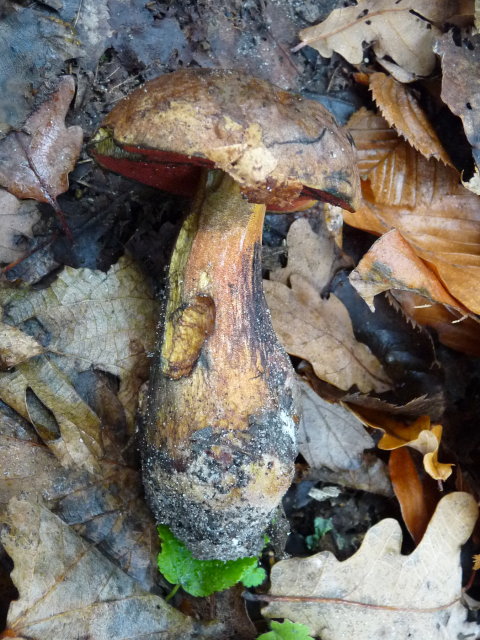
401	33
461	83
333	441
320	331
35	162
95	320
401	110
420	435
424	200
68	589
378	592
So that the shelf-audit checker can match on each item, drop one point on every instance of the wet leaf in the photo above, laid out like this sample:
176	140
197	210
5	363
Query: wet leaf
68	589
424	200
16	346
401	37
401	110
378	592
35	162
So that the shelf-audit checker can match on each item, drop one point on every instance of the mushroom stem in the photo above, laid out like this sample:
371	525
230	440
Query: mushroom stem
220	429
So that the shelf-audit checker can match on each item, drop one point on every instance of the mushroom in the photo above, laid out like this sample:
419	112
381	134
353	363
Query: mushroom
218	441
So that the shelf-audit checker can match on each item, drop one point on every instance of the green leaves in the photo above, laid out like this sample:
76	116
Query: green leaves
322	526
203	577
286	631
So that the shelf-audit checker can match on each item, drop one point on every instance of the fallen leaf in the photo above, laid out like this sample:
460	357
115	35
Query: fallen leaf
401	37
16	346
461	334
106	508
424	200
378	592
461	83
16	221
310	255
417	497
391	263
401	110
419	434
35	162
333	440
94	320
320	331
68	589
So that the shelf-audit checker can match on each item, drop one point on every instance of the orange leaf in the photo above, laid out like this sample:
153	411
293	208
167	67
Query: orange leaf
417	498
424	200
402	111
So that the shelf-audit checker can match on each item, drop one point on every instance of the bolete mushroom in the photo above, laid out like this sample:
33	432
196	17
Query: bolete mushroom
218	443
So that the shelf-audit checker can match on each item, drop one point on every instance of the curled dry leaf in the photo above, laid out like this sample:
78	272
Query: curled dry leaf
424	200
320	331
391	265
68	589
378	592
401	36
333	442
461	83
401	110
420	435
417	498
35	162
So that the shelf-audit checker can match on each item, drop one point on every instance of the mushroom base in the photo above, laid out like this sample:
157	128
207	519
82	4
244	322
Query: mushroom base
227	492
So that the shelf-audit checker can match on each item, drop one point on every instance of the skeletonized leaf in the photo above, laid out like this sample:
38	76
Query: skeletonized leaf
95	320
424	200
378	592
35	162
401	36
68	589
320	331
402	111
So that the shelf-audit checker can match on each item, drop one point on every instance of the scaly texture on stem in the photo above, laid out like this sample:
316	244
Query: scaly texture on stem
219	437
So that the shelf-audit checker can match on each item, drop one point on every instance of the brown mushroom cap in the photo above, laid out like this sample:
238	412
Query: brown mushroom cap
277	145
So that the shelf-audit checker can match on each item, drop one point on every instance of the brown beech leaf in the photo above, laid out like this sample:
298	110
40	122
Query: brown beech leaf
320	331
333	441
401	110
461	334
378	592
419	434
391	263
424	200
69	590
35	162
401	35
461	83
417	498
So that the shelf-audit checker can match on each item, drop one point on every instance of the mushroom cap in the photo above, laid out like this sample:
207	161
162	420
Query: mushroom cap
277	145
